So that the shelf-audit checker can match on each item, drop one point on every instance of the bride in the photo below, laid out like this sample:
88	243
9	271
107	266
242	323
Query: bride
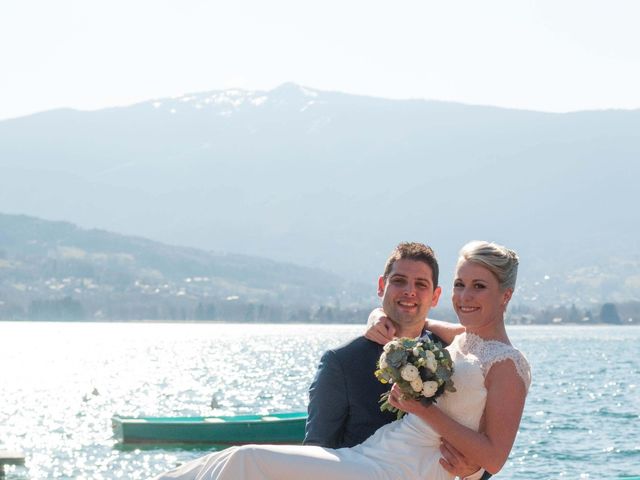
480	419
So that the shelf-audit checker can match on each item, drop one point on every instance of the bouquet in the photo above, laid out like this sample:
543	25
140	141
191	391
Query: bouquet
421	368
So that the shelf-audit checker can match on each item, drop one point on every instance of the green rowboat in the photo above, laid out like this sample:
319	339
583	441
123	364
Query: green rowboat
233	430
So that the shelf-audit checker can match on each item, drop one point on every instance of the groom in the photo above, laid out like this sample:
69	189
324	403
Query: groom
343	397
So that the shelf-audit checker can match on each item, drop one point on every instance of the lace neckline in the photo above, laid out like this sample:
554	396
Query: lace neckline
489	352
469	338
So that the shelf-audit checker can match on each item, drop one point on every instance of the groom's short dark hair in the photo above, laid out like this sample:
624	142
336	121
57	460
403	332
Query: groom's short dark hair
413	251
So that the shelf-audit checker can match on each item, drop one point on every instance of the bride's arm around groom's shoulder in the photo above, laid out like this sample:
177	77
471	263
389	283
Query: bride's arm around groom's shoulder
380	328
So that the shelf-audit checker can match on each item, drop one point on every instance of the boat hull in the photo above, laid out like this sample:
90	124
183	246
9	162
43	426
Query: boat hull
236	430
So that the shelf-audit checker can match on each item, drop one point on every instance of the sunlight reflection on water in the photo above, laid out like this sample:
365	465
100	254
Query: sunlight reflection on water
62	382
67	380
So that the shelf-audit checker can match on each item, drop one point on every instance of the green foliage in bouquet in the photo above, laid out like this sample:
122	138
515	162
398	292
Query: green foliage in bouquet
421	368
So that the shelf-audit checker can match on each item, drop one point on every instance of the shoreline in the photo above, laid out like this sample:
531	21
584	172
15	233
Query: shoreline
234	322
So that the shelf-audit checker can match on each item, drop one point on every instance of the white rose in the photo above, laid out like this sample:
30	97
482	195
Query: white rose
416	384
409	373
392	345
383	360
431	362
416	352
429	388
432	365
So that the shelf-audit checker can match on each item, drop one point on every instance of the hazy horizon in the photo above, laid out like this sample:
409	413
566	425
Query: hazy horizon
268	174
543	56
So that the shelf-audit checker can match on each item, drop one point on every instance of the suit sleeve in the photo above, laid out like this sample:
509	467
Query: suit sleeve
328	404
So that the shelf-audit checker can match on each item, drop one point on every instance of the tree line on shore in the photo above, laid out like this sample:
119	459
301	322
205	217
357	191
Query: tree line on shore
234	309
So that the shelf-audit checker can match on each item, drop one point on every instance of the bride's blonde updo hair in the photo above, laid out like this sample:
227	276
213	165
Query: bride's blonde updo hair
499	260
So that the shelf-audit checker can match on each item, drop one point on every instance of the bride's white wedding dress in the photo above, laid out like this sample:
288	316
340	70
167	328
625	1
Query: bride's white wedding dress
407	449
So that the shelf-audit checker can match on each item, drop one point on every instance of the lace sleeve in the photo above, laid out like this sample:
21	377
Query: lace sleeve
490	352
500	352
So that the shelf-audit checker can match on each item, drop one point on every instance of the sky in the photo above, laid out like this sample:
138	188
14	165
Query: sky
547	55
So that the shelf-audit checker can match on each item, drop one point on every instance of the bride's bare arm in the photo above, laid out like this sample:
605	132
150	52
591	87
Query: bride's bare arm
445	330
490	448
381	330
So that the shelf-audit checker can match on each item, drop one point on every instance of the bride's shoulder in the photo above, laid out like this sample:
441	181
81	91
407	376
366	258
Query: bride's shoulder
491	352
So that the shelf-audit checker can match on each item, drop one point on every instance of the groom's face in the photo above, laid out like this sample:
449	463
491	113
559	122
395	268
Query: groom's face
408	292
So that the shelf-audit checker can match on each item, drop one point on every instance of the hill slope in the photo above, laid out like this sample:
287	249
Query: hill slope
46	266
334	181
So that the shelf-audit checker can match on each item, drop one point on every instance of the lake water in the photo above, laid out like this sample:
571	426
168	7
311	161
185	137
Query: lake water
60	383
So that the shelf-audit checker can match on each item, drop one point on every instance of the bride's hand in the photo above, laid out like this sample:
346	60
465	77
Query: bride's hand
453	461
397	399
379	328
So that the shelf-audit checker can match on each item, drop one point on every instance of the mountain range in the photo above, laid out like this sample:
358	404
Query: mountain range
332	181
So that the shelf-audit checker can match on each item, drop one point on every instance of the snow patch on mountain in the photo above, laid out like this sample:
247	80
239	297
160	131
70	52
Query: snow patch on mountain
225	102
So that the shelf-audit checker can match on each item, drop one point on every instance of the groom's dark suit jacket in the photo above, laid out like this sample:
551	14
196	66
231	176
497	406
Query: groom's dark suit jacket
344	408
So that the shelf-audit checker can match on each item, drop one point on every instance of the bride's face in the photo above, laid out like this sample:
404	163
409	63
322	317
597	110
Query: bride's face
477	297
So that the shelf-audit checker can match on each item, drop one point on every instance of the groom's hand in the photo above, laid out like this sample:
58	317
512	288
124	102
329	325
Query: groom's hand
379	328
455	462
